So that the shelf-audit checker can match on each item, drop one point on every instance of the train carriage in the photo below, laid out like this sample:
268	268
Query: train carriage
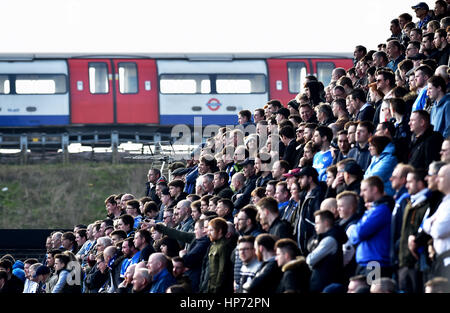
47	91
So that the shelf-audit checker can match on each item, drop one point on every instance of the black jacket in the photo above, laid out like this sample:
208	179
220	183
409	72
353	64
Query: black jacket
243	200
151	192
224	192
145	253
266	279
296	276
290	153
329	269
281	228
425	149
304	225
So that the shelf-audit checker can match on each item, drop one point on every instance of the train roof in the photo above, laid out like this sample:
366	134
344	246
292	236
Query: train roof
184	56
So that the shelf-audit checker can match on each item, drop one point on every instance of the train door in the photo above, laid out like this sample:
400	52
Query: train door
92	96
286	77
322	68
136	91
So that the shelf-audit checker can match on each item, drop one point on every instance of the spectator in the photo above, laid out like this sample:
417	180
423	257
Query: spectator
421	76
440	111
372	232
282	195
296	274
344	146
142	242
61	268
395	54
322	159
313	196
250	263
325	259
440	42
269	274
358	284
220	268
221	188
425	142
262	169
358	107
383	161
361	152
270	219
141	281
161	278
437	285
11	283
383	285
408	276
445	150
287	136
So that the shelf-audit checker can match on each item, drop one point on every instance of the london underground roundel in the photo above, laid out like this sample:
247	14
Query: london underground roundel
213	104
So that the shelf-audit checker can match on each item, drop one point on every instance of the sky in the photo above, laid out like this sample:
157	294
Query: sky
196	26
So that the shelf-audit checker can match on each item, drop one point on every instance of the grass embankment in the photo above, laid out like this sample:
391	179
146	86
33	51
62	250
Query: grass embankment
58	196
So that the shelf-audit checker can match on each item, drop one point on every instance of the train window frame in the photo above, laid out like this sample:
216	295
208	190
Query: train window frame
14	77
5	86
288	77
184	74
137	77
107	78
213	79
264	76
317	70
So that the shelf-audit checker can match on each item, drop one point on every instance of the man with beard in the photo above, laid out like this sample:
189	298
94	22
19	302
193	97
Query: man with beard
322	159
360	152
270	220
312	197
269	274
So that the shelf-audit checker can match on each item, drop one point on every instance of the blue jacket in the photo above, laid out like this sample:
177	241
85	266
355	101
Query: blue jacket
162	281
421	100
191	179
440	116
383	166
372	233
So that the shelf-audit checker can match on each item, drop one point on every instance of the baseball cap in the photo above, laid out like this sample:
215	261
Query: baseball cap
421	5
41	270
308	171
247	161
353	168
180	171
293	172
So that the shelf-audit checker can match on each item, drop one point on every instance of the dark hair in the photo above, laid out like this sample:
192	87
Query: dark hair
246	113
379	142
150	206
63	258
398	105
6	264
289	246
177	183
128	220
325	215
426	69
275	103
438	81
266	240
228	204
111	199
368	125
424	115
145	234
359	94
251	213
249	239
269	203
341	103
121	233
287	132
325	131
420	174
389	126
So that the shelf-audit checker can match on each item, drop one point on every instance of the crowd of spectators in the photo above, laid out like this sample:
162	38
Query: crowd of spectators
345	188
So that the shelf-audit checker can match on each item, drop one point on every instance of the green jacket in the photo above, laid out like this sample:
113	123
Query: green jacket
412	218
220	267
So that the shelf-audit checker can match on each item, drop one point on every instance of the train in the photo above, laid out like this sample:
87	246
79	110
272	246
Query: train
66	92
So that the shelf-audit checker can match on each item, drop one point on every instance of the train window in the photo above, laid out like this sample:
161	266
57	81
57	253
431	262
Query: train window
241	83
324	70
128	80
4	85
184	83
98	78
296	76
40	84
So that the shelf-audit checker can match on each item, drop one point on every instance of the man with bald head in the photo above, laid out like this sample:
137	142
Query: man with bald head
126	285
161	277
182	216
141	281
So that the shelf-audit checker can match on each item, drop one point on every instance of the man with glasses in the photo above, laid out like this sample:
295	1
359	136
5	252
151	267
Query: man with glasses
250	263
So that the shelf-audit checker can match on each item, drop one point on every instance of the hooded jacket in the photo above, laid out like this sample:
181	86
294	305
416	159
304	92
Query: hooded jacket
440	116
383	166
372	233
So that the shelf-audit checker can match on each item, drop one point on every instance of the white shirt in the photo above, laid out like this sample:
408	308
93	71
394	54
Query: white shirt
438	226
